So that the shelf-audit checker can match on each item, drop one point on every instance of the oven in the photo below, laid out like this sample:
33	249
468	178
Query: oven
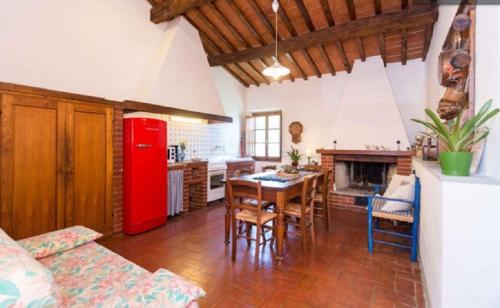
215	183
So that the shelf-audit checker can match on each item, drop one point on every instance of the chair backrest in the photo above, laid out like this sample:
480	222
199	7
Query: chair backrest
323	183
241	172
239	189
308	191
268	168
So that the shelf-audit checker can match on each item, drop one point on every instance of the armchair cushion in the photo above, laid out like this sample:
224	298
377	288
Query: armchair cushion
47	244
23	281
162	289
400	187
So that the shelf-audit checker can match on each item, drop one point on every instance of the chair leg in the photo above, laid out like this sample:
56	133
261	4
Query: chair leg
262	229
303	230
370	232
414	242
273	232
313	234
248	231
326	216
233	244
257	247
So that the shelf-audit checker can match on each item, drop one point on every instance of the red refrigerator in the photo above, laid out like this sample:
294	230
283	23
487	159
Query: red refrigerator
144	174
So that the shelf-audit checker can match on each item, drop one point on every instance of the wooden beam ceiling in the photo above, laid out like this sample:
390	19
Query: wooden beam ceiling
170	9
315	37
356	28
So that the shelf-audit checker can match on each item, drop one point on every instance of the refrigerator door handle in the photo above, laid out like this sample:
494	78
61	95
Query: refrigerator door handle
143	145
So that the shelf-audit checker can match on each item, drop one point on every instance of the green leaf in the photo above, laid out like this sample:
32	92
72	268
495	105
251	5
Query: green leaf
457	136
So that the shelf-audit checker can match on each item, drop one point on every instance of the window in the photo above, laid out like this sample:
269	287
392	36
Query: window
263	137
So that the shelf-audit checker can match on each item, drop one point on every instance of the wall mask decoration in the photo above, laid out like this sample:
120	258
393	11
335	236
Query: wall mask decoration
295	129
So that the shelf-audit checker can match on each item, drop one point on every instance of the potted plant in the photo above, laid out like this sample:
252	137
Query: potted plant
294	156
458	138
182	147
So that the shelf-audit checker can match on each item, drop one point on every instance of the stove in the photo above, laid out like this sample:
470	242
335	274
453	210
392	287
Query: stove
216	176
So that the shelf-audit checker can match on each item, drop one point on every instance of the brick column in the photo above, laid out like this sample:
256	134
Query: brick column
117	170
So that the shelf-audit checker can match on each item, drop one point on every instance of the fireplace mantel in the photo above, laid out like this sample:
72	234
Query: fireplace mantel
365	152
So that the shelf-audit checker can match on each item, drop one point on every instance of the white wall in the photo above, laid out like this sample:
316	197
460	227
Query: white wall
105	48
458	245
488	80
315	102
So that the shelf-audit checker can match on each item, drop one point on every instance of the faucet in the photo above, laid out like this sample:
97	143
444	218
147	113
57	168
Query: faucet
220	148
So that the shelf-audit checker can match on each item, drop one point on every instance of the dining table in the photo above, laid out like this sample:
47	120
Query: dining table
278	192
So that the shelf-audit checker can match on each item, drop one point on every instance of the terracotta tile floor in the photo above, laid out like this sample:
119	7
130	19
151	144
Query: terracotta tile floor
337	272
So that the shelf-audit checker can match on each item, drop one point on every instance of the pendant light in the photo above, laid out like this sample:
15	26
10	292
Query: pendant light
276	70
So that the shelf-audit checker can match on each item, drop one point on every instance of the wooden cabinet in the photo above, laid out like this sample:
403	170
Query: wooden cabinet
89	180
56	165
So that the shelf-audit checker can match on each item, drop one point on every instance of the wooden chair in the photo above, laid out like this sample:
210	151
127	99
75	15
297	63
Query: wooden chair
411	216
269	168
303	211
321	202
249	201
244	215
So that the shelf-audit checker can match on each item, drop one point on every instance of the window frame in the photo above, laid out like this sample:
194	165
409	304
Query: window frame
267	114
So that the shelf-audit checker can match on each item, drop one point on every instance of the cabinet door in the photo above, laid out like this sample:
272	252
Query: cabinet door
32	165
89	158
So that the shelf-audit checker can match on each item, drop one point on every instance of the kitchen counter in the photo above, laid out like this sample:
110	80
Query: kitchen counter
184	164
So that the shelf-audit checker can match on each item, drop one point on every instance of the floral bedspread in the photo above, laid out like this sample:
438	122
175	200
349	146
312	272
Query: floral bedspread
91	275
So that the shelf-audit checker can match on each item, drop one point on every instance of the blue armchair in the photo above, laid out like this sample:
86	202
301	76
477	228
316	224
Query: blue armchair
412	216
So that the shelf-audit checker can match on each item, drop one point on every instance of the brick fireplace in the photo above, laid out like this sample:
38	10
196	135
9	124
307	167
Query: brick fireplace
355	172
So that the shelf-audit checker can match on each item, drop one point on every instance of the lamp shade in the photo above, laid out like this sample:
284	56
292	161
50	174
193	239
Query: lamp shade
276	70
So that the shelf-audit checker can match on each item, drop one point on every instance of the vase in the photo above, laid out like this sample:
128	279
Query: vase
455	163
295	163
181	156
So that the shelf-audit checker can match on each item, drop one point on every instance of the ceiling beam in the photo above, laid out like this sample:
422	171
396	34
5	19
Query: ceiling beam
303	12
361	49
288	24
217	12
237	10
378	7
328	13
381	46
170	9
235	75
211	43
291	59
404	46
222	37
326	59
262	17
345	60
351	9
427	44
417	16
404	4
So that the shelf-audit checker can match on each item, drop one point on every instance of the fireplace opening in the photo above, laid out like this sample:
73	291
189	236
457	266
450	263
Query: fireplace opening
358	178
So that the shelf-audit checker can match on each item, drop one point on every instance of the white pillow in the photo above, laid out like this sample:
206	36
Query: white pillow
23	281
404	191
396	181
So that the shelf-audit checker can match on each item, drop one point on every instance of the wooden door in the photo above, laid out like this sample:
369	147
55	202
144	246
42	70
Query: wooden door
89	159
32	165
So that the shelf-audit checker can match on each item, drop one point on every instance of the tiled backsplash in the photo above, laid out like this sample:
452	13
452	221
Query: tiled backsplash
205	141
